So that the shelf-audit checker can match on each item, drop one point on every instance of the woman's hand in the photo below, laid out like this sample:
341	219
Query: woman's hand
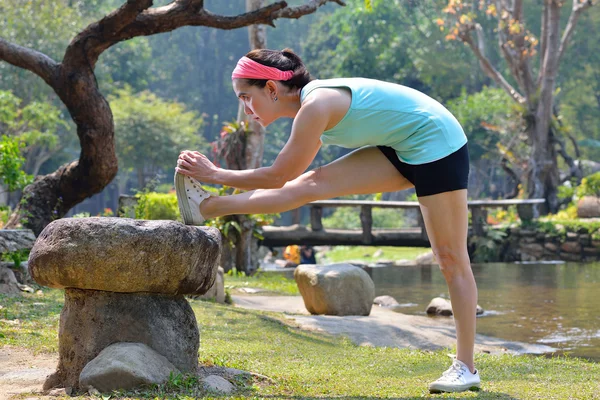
196	165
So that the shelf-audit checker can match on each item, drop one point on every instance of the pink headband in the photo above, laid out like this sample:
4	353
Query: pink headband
250	69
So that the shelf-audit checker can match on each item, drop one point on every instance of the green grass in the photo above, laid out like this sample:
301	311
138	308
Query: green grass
31	320
365	253
273	283
305	364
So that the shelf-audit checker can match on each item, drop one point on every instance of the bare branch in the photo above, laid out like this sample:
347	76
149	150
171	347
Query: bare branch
124	15
80	52
299	11
32	60
578	8
487	66
543	41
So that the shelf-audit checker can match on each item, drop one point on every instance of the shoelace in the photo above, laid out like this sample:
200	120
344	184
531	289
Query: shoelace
455	370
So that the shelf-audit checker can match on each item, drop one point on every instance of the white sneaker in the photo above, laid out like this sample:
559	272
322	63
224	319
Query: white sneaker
457	378
189	196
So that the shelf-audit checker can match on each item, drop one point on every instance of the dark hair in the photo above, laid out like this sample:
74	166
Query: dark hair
284	60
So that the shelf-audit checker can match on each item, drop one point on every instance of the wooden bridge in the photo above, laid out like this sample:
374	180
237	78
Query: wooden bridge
367	236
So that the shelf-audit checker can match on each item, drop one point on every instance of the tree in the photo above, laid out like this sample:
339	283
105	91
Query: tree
150	132
74	81
534	90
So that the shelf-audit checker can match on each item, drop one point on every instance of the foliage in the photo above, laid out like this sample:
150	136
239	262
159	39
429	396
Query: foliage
11	163
590	186
40	126
491	122
488	246
17	257
154	206
230	224
579	80
349	218
396	41
559	227
151	132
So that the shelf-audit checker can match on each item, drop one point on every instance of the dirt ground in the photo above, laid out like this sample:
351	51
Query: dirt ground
21	371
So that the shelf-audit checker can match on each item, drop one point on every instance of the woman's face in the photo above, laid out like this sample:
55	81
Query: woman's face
258	102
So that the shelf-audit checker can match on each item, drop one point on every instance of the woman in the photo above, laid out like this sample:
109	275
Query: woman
404	138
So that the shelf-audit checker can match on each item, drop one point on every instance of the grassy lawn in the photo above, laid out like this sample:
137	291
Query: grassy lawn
365	253
309	365
272	283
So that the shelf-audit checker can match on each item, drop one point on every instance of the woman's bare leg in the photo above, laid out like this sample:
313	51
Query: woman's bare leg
446	221
363	171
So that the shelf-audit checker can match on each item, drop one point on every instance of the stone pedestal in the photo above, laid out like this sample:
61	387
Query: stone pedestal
124	281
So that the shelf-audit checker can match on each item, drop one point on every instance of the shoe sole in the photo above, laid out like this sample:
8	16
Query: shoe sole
455	390
184	205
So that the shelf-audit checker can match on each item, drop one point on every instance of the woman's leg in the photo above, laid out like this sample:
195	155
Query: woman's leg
363	171
446	221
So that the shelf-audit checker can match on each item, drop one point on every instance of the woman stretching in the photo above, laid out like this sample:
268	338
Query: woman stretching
403	138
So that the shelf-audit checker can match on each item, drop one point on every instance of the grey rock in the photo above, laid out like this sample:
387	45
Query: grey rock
426	259
215	383
12	240
8	282
126	255
217	290
386	301
92	320
441	306
337	289
125	366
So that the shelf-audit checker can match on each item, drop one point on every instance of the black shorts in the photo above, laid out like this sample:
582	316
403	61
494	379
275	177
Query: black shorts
444	175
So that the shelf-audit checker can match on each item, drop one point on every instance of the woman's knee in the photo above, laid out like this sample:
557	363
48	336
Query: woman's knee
306	185
452	260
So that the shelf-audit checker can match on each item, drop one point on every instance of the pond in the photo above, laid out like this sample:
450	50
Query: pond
557	305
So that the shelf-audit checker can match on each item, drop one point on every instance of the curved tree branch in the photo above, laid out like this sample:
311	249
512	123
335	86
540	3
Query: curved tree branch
487	66
32	60
578	8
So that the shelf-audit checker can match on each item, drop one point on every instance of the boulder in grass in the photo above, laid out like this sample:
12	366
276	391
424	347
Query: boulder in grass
126	366
588	207
126	256
337	289
8	282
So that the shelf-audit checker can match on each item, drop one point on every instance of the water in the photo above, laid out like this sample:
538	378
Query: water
557	305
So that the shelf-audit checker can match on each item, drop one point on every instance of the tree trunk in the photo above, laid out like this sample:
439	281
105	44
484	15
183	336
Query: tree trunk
543	178
51	196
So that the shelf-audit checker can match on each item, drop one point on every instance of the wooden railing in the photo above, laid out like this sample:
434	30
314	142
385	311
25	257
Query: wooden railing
408	236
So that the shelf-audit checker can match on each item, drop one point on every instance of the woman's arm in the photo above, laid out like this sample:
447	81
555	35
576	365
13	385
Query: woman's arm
295	157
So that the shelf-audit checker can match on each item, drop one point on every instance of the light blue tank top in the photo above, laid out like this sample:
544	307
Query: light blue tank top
419	128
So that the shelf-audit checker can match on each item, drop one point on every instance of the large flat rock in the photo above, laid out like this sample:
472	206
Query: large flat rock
384	328
126	255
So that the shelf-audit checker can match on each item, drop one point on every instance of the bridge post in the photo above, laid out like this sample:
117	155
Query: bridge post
316	212
478	220
366	220
421	222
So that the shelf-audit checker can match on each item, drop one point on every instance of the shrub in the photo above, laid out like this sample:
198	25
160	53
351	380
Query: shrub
152	205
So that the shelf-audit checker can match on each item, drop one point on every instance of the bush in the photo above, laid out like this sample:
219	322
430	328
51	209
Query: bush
590	186
349	218
152	205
